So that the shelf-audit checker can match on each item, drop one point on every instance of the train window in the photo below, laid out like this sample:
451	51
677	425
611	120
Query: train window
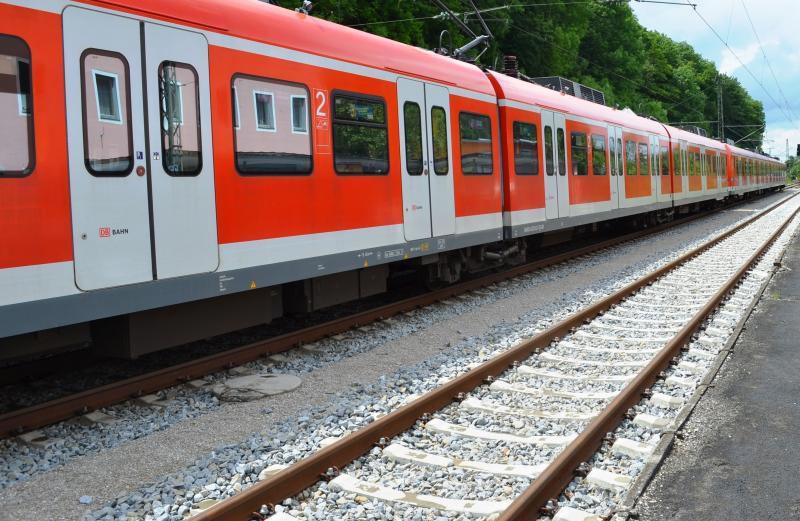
643	159
299	114
612	151
526	149
441	158
181	153
619	155
412	123
630	157
107	137
599	154
676	164
549	163
360	135
561	144
664	161
16	105
476	144
580	153
262	146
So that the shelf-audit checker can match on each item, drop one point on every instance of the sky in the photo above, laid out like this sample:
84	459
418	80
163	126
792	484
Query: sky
775	23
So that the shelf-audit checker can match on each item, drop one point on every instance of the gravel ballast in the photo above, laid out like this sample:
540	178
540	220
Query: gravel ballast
358	375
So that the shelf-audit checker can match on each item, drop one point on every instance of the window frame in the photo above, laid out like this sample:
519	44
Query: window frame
199	169
592	137
121	57
293	97
514	126
586	149
549	155
31	130
461	140
384	125
446	141
238	75
95	74
561	150
406	149
646	158
271	96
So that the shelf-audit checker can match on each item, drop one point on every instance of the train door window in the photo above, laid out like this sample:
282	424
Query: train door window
180	119
360	135
643	159
549	163
562	151
107	137
412	123
599	154
526	149
441	158
299	114
476	144
619	154
612	151
630	157
16	107
664	160
580	153
261	145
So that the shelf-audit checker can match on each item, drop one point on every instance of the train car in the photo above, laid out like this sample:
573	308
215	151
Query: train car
569	161
174	170
167	152
749	172
698	166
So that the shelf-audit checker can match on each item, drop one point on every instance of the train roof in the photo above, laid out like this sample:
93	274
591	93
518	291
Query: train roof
261	22
526	92
695	139
752	155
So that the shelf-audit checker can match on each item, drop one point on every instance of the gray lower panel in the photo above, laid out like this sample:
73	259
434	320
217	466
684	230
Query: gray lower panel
45	314
562	223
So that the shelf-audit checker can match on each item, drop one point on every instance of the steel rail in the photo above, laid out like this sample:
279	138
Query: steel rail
47	413
557	476
303	474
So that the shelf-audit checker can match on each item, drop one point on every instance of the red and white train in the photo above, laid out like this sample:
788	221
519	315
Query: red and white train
174	169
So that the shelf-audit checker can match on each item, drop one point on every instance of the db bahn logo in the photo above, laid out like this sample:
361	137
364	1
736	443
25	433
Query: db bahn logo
108	232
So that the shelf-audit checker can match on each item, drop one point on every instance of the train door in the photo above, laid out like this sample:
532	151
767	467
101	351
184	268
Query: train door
561	164
655	185
118	199
550	170
440	173
614	137
425	144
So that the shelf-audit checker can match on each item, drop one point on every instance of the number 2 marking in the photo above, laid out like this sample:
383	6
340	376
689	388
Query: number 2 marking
321	113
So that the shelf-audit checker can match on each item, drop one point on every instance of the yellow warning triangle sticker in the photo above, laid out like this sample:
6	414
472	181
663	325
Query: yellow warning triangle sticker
366	263
252	284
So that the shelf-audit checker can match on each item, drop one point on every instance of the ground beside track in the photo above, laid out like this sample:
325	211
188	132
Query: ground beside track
738	458
132	468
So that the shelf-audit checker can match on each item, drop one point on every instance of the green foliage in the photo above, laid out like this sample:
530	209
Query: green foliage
600	44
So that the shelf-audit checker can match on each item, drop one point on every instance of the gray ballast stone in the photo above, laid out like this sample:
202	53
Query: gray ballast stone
254	387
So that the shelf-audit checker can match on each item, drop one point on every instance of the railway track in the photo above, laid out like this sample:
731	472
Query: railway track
504	438
47	413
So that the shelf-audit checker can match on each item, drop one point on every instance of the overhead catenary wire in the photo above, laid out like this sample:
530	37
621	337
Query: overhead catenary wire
744	65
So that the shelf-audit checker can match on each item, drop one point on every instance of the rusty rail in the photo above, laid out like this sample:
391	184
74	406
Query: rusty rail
47	413
296	478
